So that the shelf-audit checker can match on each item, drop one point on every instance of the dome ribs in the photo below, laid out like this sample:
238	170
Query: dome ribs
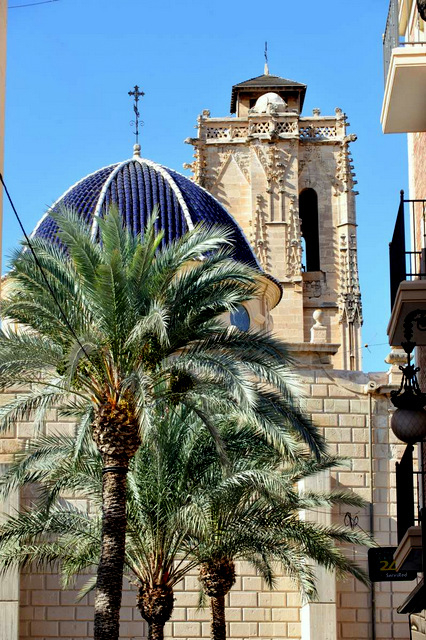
135	197
135	186
148	201
128	183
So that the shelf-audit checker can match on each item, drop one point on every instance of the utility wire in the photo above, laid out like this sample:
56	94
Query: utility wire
42	270
31	4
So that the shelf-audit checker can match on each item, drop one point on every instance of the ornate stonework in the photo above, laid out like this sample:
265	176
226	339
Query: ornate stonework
350	294
344	171
258	235
294	241
257	164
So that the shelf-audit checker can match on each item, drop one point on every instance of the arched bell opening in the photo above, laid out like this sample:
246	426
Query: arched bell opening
308	213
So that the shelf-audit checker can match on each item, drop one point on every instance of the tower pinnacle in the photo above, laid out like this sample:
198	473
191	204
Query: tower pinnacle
266	71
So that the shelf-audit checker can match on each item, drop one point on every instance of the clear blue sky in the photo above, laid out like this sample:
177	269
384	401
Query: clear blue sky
72	62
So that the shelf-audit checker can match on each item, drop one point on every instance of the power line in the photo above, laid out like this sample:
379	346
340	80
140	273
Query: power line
31	4
52	293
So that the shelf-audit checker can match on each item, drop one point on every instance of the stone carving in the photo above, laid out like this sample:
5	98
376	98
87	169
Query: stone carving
349	294
313	288
311	153
294	241
312	131
243	161
198	165
258	234
319	330
274	162
226	132
397	357
345	181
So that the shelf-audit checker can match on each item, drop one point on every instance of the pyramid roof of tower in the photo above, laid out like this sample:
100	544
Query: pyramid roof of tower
265	81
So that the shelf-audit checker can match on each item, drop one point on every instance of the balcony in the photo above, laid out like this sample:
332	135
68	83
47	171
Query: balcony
410	487
405	80
408	270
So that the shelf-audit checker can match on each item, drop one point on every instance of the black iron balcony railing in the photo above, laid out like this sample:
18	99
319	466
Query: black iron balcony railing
391	35
410	493
408	264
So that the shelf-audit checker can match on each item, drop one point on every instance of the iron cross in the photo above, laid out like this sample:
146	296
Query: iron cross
137	94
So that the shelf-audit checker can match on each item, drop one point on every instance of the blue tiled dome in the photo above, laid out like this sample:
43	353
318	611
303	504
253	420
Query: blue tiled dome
136	186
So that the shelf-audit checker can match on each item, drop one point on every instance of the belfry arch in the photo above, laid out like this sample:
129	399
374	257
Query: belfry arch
308	214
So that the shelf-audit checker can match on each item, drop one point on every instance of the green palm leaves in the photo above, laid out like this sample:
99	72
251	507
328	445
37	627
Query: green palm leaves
131	308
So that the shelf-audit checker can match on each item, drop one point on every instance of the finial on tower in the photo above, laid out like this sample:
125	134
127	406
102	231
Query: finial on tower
135	123
266	72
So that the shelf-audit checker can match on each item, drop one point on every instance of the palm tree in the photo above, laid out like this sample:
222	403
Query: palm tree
133	325
183	511
167	471
254	515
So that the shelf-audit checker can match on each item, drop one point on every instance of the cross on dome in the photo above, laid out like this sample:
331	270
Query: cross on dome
136	94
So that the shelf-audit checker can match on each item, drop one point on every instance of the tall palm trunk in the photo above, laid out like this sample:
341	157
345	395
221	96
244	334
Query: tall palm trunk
155	604
218	621
217	577
110	569
116	433
156	631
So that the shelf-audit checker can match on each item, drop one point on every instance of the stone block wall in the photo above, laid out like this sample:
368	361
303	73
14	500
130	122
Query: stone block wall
419	164
340	405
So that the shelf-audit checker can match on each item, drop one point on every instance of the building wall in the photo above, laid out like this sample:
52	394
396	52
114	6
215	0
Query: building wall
419	165
342	406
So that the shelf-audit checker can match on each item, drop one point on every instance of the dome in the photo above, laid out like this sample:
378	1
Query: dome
267	99
136	186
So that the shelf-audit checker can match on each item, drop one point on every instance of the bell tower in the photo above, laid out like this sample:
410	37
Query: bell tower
287	180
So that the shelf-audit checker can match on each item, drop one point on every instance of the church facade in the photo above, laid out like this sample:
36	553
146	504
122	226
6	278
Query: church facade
287	180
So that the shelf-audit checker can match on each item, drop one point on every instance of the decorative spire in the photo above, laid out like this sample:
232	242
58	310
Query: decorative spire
266	72
135	123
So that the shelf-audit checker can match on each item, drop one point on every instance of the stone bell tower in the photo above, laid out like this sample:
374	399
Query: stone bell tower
287	180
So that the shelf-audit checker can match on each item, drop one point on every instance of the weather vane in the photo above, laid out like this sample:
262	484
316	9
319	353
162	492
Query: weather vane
266	59
135	123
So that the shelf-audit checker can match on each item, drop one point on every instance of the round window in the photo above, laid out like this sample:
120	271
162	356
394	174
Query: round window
240	318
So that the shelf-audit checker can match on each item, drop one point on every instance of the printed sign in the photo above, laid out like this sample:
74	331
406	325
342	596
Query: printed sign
381	566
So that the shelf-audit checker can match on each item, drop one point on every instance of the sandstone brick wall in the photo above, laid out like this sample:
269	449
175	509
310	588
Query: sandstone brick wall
419	165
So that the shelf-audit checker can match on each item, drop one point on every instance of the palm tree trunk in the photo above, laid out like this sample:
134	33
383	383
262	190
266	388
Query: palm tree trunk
155	604
110	570
156	631
218	624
